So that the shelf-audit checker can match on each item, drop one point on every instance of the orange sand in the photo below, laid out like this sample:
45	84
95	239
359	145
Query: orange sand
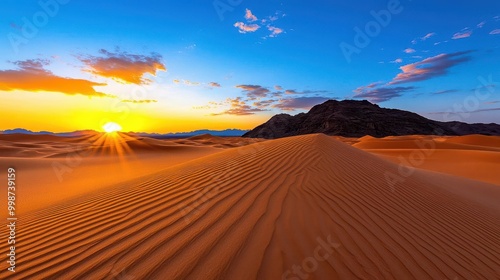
474	156
307	206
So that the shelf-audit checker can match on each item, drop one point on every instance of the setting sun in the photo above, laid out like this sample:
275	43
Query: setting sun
111	127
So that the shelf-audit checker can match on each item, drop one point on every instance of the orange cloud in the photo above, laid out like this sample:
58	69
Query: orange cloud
139	101
465	33
214	84
275	31
249	16
129	68
238	107
244	28
429	68
31	76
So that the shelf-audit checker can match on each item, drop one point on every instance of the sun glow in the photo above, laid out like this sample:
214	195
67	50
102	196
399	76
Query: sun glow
111	127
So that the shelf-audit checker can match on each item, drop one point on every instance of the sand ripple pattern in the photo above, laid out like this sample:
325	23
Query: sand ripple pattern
256	211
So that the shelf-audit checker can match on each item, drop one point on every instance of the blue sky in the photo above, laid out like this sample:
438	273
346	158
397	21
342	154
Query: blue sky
230	63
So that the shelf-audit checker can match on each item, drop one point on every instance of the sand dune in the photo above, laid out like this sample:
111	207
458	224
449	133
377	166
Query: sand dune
473	156
305	207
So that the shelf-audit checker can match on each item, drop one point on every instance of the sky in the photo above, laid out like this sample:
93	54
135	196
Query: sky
172	66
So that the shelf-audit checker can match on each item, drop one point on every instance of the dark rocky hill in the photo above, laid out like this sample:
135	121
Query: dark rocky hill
353	118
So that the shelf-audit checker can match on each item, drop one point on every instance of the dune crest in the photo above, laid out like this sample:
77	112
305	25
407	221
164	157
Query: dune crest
260	212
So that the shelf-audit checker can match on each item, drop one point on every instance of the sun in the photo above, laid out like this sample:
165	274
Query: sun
111	127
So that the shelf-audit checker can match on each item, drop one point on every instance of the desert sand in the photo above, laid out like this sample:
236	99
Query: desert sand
304	207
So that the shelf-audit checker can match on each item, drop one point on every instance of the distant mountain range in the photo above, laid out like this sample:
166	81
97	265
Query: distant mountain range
352	118
221	133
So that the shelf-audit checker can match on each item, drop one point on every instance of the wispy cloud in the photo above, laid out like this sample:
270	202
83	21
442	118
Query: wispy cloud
464	33
32	76
495	32
492	102
423	38
299	103
139	101
214	84
427	36
277	87
123	66
264	104
186	82
430	67
381	94
304	92
445	91
459	113
238	107
409	50
254	91
481	24
397	60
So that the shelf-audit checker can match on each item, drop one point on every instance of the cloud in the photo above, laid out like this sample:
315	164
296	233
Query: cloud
481	24
465	33
122	66
495	32
264	103
31	76
250	25
429	67
292	91
458	113
214	84
249	16
238	107
274	17
244	28
376	95
139	101
254	91
397	60
445	91
276	87
304	103
492	102
427	36
186	82
409	50
437	43
275	31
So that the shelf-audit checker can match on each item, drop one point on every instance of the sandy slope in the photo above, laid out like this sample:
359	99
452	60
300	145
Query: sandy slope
472	156
308	205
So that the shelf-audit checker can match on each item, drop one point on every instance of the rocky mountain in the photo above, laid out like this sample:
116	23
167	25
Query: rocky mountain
352	118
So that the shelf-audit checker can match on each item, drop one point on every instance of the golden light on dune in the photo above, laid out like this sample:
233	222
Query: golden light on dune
111	127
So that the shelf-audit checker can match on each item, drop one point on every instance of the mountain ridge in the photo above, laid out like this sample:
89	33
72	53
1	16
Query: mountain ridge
353	118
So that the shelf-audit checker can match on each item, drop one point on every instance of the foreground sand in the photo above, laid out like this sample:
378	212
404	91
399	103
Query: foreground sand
306	207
